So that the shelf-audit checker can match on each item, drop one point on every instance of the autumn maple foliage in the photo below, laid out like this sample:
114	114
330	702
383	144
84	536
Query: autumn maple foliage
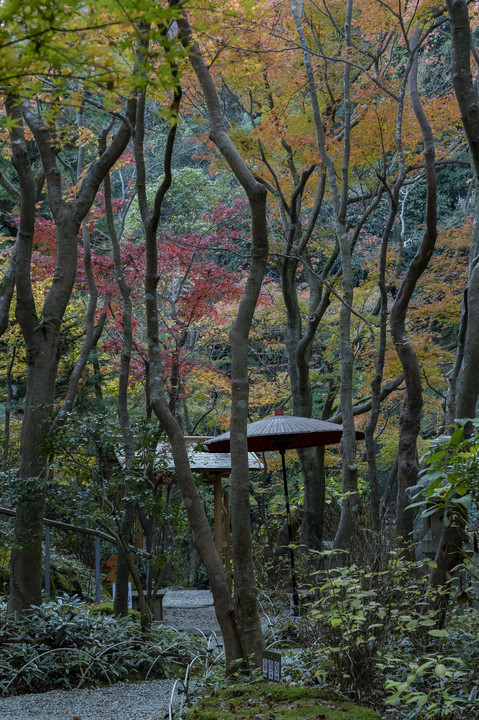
209	211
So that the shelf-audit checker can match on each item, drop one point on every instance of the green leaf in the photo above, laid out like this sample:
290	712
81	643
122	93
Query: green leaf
465	500
427	622
416	504
457	437
440	670
435	474
425	666
438	633
437	456
421	700
430	511
392	699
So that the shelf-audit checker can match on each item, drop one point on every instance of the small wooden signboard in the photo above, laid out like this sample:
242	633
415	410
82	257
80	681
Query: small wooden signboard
271	666
111	565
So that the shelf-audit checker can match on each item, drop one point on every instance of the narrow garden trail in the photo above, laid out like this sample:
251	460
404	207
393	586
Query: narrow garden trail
141	701
185	610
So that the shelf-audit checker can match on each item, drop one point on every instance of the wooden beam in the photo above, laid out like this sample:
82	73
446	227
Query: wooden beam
65	526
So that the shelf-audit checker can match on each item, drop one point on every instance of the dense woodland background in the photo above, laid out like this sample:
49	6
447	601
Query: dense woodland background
208	213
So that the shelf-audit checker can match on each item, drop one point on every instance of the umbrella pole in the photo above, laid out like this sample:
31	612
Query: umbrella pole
290	536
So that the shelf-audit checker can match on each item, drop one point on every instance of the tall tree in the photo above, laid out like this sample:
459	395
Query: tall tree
157	396
412	404
339	197
463	402
464	380
42	330
246	604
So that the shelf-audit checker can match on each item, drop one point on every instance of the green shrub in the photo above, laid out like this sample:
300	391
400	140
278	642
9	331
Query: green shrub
377	640
62	644
441	683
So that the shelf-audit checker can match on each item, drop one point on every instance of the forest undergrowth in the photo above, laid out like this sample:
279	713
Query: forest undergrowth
380	638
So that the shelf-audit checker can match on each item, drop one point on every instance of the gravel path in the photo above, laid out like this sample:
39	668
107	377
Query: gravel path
140	701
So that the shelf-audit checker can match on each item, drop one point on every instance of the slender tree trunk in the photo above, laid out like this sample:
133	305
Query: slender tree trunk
246	606
465	401
158	401
314	476
348	441
464	389
449	554
384	504
128	510
379	357
299	343
41	333
203	538
339	201
8	409
410	417
314	490
7	287
92	335
468	380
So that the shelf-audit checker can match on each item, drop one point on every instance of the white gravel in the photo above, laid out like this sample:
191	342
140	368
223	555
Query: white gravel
187	598
138	701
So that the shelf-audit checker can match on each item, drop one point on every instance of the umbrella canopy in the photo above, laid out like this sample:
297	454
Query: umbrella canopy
284	432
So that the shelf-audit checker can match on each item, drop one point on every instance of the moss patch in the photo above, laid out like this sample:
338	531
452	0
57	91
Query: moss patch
267	701
107	609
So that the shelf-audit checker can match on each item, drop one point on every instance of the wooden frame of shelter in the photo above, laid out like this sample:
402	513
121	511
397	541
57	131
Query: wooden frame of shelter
213	467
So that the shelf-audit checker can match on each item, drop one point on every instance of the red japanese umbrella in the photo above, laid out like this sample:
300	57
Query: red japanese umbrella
285	432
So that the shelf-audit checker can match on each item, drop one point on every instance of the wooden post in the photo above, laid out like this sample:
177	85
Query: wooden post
97	569
226	539
47	562
218	500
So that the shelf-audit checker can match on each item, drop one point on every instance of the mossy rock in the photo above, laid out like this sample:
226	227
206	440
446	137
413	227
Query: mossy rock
65	577
4	567
106	608
281	702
